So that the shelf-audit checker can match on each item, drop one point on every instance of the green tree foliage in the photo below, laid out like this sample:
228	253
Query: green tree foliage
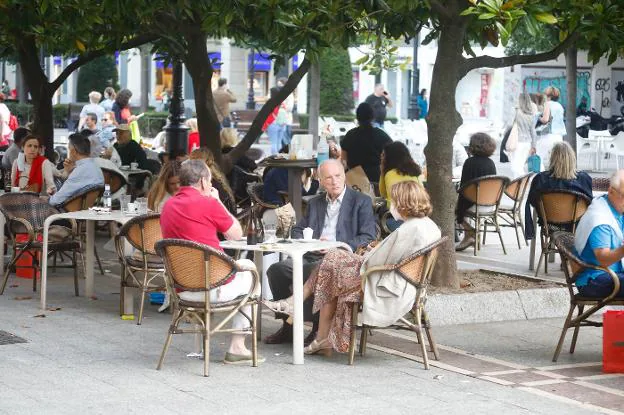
96	76
83	29
336	82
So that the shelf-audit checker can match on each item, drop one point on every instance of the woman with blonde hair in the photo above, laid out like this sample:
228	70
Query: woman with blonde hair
336	283
524	122
219	181
193	136
229	139
165	186
562	175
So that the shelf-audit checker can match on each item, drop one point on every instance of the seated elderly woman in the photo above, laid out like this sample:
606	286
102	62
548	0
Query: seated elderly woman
387	296
479	164
562	175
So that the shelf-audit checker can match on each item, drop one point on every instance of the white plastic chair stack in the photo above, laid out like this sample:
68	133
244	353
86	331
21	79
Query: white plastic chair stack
586	147
616	148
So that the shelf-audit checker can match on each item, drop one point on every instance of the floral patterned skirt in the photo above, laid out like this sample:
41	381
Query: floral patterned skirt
338	277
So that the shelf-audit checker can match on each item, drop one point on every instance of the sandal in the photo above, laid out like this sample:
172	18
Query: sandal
281	306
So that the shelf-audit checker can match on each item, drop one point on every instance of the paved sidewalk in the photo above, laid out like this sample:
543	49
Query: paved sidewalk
82	358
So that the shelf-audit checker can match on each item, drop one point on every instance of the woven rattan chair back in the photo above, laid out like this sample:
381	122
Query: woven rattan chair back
600	184
142	232
255	193
418	267
572	264
28	206
114	179
485	191
558	207
193	266
83	200
516	189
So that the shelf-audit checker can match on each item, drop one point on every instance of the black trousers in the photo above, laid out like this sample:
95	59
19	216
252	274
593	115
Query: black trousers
280	280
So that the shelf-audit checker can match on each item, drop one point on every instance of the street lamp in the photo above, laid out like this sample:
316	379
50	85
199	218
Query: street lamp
251	104
176	130
413	110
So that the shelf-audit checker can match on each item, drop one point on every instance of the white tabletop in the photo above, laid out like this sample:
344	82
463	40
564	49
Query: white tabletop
115	215
292	246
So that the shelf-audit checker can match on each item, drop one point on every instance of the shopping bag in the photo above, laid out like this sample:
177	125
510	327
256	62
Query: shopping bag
613	341
134	130
357	180
512	141
533	163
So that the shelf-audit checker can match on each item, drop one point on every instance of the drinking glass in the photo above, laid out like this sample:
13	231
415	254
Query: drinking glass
141	203
124	200
270	230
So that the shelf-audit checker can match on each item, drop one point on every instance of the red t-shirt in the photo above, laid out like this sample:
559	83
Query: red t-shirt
191	216
193	141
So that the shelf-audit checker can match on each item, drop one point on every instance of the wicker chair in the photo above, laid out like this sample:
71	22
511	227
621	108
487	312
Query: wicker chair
142	233
416	269
485	193
191	266
558	210
512	215
572	267
82	201
25	214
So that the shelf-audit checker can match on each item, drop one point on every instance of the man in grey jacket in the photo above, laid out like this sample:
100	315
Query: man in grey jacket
342	214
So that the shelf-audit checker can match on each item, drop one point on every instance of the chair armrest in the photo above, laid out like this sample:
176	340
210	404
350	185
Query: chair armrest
29	228
374	269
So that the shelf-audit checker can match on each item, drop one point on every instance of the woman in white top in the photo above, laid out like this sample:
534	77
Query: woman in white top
527	138
33	172
553	112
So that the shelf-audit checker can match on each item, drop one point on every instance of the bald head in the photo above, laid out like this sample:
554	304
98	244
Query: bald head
616	190
332	175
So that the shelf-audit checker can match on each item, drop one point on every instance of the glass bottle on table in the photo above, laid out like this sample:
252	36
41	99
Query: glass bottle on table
106	196
251	234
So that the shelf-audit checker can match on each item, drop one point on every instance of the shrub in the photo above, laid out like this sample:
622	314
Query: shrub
336	82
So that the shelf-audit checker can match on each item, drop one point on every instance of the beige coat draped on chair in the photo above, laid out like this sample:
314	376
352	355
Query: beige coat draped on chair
387	296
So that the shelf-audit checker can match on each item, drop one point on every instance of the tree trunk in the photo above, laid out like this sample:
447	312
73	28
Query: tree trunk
200	68
315	101
40	91
443	120
145	75
571	74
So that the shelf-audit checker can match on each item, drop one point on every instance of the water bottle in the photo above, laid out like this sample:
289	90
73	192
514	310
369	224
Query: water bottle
322	151
106	197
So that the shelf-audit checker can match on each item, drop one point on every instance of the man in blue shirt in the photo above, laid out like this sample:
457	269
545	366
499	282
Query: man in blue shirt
82	171
599	239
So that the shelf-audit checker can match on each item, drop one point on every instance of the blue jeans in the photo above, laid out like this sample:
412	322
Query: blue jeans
275	133
601	286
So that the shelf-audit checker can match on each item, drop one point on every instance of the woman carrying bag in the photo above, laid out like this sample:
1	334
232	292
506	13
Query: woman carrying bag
522	138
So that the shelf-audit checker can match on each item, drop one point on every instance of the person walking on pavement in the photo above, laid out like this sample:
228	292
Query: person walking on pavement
379	100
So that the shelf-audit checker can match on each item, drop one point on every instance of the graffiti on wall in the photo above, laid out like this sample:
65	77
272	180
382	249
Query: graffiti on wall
537	83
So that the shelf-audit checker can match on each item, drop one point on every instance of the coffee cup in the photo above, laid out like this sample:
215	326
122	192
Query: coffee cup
134	166
15	189
308	233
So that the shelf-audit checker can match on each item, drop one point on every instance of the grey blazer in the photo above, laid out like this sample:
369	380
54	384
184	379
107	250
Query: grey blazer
356	221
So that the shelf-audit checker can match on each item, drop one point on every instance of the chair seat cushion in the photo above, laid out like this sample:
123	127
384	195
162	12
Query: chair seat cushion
483	210
187	297
152	262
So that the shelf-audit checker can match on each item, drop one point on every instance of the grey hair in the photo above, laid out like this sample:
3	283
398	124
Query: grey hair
327	163
615	180
193	171
524	103
94	97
